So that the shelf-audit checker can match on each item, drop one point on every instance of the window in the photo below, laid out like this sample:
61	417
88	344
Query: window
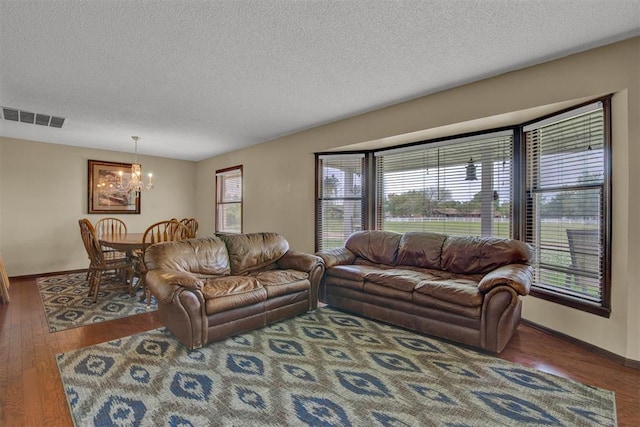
340	198
458	186
229	200
567	206
547	183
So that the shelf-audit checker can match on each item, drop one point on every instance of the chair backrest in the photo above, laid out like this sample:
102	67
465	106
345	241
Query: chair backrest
91	243
192	225
584	249
4	281
109	225
164	231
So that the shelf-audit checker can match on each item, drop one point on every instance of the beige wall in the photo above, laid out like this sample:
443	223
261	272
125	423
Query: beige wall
279	175
277	192
43	193
1	201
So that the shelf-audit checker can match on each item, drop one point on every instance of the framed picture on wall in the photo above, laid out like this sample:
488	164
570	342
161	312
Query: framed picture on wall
107	188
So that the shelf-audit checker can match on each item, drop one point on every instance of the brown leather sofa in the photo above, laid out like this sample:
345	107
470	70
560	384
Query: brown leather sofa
464	289
214	287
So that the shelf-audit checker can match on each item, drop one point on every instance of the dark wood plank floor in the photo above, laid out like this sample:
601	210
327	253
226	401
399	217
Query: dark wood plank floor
31	392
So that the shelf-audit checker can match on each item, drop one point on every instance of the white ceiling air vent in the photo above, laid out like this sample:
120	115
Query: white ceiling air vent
16	115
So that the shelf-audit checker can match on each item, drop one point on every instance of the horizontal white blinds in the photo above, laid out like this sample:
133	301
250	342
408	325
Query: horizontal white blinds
340	203
229	201
231	186
565	203
461	188
567	153
562	116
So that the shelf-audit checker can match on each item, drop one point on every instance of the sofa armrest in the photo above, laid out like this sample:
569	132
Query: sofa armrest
337	256
300	261
181	305
308	263
164	283
501	311
517	276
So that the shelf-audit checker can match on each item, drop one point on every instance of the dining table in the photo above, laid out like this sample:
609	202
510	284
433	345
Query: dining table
126	242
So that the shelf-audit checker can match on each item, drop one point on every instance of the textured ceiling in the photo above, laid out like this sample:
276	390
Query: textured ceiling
197	79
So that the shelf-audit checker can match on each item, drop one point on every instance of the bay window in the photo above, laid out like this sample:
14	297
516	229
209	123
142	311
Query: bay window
546	182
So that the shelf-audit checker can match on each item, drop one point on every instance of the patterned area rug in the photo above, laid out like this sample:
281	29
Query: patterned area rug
66	304
324	368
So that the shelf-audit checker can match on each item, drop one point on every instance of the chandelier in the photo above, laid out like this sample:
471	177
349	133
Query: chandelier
136	183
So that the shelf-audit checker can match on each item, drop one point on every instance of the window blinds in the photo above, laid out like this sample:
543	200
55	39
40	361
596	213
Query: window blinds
461	187
565	183
340	201
229	200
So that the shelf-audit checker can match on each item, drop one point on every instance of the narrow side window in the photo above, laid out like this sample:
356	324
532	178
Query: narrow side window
229	200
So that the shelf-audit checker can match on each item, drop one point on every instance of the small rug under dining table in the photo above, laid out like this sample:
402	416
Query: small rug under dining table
67	304
324	368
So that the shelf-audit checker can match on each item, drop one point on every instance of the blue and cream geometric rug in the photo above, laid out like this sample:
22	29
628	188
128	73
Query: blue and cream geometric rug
67	304
325	368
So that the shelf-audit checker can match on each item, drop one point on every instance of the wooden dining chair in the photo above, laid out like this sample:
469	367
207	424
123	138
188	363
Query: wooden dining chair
192	225
112	226
101	267
4	282
163	231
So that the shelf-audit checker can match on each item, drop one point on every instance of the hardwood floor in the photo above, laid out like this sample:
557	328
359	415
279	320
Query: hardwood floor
31	392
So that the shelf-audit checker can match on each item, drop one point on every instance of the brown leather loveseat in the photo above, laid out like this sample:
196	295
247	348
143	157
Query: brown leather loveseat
465	289
214	287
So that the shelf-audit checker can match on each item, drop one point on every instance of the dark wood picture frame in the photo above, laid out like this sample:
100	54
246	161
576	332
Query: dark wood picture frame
105	194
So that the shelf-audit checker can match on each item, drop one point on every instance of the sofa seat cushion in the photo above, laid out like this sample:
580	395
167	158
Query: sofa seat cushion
461	290
229	292
282	282
387	292
352	272
339	282
425	305
402	280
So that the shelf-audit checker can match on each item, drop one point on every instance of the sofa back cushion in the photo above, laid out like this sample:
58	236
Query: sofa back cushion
421	249
253	251
379	247
205	255
473	255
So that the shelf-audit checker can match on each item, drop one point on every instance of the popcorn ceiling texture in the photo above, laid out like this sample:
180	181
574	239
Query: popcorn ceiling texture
196	79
